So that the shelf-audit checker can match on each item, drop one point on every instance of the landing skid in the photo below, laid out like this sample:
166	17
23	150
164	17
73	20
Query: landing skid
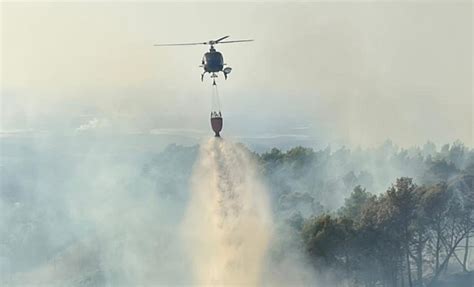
213	76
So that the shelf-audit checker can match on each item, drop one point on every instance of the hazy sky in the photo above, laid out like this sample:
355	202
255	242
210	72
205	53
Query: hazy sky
356	72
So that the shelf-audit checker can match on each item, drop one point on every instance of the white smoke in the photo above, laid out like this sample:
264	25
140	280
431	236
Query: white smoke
93	124
228	222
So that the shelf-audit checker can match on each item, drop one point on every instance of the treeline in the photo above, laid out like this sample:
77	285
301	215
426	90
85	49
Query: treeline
407	236
316	181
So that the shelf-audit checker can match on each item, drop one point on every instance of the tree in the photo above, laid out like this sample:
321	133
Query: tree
355	203
439	171
463	190
329	240
403	200
381	241
434	204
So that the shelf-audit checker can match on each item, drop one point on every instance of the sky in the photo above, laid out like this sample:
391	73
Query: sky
356	73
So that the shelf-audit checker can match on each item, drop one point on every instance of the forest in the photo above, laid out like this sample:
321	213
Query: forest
386	216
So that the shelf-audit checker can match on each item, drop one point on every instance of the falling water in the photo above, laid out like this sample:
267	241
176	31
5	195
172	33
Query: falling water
228	222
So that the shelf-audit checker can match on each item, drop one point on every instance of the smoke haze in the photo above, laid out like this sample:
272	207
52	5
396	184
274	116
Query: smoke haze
354	73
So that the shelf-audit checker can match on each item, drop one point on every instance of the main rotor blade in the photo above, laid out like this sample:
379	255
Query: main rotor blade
235	41
220	39
182	44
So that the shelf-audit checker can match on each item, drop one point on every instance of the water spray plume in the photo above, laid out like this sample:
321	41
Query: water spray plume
228	219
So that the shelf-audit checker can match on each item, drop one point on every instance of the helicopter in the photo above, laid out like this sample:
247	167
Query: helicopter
212	61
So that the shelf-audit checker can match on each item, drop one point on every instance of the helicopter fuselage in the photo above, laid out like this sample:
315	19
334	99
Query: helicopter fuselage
213	61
